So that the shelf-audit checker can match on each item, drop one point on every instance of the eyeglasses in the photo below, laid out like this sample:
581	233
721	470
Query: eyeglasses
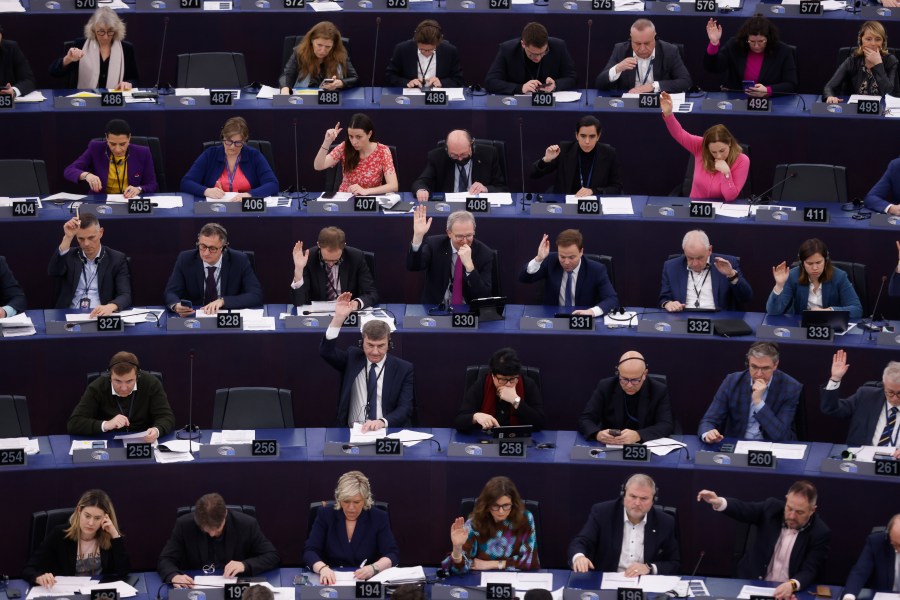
231	143
105	32
464	237
501	507
892	393
629	381
210	249
209	569
506	380
460	156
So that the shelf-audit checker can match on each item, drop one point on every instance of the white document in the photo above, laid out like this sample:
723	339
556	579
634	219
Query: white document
259	324
36	95
86	445
6	201
889	101
498	577
522	581
213	580
233	436
125	590
855	98
63	196
157	201
827	5
267	92
629	319
781	451
658	584
868	453
182	446
171	457
30	446
17	326
217	5
495	198
65	585
325	6
453	94
410	438
734	211
567	96
612	581
79	318
358	437
132	437
617	205
663	446
676	98
246	313
573	199
140	315
191	92
275	201
753	590
11	6
400	574
885	596
338	196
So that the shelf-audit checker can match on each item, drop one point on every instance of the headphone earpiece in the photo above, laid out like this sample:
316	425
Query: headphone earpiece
655	493
646	366
390	343
136	366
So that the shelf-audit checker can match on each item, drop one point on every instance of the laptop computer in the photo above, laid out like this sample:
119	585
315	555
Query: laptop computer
836	319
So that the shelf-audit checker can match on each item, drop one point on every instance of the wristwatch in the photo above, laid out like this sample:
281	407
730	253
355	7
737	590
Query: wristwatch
374	568
735	276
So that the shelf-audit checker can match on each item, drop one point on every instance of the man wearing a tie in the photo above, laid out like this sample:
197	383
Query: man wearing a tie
376	387
570	279
872	410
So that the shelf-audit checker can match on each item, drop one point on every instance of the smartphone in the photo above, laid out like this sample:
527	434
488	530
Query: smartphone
615	432
186	303
748	83
328	81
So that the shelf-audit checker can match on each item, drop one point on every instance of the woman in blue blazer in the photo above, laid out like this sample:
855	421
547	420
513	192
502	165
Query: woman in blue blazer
815	284
232	167
350	533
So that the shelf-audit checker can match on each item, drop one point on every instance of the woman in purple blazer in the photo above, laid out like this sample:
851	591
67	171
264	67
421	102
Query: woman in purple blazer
113	165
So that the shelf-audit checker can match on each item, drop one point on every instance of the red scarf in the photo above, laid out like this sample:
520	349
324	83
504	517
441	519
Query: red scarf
489	398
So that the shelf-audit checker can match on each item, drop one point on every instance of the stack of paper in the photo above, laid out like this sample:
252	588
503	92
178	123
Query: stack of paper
178	451
65	586
868	453
325	6
651	584
125	590
357	436
495	198
754	590
17	326
396	575
137	315
9	6
233	436
6	201
782	451
30	446
453	94
662	446
522	581
409	438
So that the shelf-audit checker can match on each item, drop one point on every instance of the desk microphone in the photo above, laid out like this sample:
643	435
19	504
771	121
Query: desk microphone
691	578
375	55
774	93
587	61
296	165
525	196
313	312
190	430
156	316
162	52
870	325
760	198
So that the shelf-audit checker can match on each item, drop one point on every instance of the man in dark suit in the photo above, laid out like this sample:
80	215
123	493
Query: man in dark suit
644	64
212	277
789	523
583	167
460	166
458	267
700	279
376	387
535	62
16	77
874	412
93	277
12	297
131	167
425	61
570	278
629	408
876	566
329	269
755	404
229	540
608	541
894	285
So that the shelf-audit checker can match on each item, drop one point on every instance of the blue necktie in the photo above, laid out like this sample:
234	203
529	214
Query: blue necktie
888	434
569	289
463	184
372	401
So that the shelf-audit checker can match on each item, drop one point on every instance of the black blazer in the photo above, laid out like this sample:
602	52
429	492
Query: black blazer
353	273
668	69
371	539
70	73
600	539
530	411
849	75
810	548
56	555
435	257
603	179
606	410
779	71
863	408
507	73
11	293
396	387
403	67
14	68
440	170
188	548
114	278
238	283
874	568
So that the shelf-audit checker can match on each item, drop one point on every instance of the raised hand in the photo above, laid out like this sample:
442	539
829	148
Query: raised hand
839	365
543	249
665	103
551	153
780	273
331	134
713	32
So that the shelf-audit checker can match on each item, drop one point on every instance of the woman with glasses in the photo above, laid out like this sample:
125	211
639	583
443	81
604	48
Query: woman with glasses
232	167
90	545
502	398
814	284
425	61
754	61
320	60
869	70
368	165
100	59
499	534
351	533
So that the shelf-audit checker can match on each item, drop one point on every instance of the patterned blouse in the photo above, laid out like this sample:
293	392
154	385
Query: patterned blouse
370	171
519	550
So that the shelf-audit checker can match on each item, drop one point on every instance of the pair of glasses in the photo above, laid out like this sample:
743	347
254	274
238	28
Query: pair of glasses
209	569
462	238
105	32
231	143
629	381
501	507
210	249
506	380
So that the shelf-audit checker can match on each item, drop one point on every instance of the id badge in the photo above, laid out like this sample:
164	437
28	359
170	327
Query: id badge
84	303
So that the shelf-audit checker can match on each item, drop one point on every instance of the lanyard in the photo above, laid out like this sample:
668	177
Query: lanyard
646	73
585	183
231	174
88	282
120	177
130	407
694	283
427	66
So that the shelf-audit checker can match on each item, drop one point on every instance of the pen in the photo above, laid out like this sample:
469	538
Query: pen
363	563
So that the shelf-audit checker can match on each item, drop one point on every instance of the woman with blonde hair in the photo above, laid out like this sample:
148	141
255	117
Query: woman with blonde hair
319	60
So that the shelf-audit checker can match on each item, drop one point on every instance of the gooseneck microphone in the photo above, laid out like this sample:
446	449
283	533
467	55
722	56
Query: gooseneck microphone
587	61
870	322
760	198
190	431
522	163
375	55
162	53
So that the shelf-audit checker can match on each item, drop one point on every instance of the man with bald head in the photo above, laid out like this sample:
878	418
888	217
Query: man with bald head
460	165
702	280
876	567
644	64
628	408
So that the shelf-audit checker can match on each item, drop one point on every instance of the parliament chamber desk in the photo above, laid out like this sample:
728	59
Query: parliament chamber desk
571	363
639	245
424	487
651	162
